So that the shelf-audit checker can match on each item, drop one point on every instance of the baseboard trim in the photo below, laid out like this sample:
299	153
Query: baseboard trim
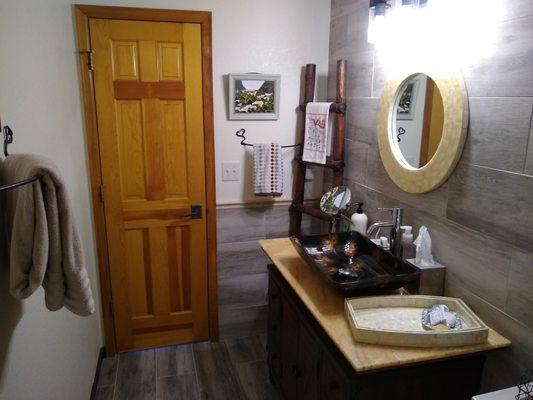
101	356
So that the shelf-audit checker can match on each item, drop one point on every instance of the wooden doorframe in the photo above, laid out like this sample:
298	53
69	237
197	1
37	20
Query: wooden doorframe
83	14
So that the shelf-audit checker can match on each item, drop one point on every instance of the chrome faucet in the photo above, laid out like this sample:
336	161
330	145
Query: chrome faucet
395	233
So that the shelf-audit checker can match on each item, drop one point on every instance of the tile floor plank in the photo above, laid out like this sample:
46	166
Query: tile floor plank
136	376
216	374
105	393
182	387
254	380
246	349
108	371
174	360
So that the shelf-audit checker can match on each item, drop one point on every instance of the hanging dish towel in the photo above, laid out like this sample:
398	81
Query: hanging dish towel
317	143
268	169
44	246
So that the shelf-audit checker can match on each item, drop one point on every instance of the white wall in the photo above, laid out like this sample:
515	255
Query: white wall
46	355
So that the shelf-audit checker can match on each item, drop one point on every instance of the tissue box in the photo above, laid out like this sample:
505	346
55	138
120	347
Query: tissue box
431	278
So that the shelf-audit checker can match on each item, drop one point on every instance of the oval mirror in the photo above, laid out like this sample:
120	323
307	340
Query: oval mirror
335	200
418	121
422	124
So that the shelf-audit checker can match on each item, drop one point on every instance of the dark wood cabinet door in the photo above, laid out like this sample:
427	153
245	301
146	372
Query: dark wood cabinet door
309	352
274	332
290	369
332	382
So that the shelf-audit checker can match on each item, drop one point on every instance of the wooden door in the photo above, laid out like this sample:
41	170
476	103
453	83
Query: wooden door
148	90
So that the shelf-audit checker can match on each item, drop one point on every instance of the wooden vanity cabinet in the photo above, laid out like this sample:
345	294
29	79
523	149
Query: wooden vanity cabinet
305	364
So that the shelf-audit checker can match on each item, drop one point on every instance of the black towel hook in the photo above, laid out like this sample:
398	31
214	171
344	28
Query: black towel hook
240	133
8	136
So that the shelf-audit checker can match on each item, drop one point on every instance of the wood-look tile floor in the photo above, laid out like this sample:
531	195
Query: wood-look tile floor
232	369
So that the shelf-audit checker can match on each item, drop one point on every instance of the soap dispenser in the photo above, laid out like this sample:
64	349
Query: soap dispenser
359	220
408	247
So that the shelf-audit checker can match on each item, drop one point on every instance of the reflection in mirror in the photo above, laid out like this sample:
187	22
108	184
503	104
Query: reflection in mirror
418	122
335	200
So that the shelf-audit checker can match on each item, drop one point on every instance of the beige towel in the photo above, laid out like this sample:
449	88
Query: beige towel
44	244
317	138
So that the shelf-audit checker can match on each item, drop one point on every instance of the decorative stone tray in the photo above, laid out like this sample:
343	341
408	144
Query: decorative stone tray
396	321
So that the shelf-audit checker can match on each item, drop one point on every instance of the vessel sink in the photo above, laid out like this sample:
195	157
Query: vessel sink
353	264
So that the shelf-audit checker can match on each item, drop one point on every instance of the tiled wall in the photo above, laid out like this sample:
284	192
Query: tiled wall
481	219
242	265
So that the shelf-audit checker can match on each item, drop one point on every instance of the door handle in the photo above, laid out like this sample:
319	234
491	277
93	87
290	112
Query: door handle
196	212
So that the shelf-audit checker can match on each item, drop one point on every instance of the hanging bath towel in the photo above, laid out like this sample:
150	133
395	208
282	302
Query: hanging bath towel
44	246
317	143
268	170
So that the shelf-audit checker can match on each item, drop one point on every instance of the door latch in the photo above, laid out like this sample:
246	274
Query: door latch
196	212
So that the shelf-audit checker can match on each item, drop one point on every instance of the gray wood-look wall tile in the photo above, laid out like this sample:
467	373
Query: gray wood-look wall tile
182	387
242	291
499	131
528	167
433	202
246	349
277	221
174	360
216	375
517	9
480	262
504	367
356	159
254	380
494	202
105	393
338	38
108	371
507	72
136	376
361	119
520	297
235	322
340	7
239	259
241	224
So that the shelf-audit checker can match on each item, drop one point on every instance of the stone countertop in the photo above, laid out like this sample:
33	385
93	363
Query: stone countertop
327	306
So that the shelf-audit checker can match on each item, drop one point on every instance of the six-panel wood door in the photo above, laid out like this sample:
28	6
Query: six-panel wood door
148	88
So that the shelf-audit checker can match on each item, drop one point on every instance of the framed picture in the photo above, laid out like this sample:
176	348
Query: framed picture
254	96
407	102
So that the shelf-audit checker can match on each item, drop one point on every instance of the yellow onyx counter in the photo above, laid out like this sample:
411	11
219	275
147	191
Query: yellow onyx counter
327	307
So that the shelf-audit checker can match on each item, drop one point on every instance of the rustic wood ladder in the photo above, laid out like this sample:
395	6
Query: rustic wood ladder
335	162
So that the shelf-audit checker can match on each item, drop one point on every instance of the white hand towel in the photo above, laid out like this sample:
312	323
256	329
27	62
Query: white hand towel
268	169
317	142
45	247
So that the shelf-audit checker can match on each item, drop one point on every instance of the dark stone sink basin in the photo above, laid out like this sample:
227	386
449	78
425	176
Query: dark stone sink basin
352	264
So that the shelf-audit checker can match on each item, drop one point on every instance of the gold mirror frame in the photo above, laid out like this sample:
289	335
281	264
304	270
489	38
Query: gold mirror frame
454	130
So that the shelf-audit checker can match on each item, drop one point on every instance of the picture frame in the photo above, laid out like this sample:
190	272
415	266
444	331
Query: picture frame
254	96
407	103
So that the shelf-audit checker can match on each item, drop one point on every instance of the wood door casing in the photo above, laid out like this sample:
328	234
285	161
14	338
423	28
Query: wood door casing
148	87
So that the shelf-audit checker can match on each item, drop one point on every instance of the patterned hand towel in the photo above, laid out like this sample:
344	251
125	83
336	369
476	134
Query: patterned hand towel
268	169
317	136
45	247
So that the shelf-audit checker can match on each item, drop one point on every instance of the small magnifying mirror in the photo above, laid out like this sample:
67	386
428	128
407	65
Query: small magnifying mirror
335	200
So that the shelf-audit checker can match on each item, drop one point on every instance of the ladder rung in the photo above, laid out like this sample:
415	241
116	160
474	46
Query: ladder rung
313	211
339	108
330	163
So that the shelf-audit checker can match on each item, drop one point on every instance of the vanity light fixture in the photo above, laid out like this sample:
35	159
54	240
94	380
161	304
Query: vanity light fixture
377	19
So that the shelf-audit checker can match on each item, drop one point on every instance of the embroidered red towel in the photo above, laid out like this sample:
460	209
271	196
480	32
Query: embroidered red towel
317	136
268	169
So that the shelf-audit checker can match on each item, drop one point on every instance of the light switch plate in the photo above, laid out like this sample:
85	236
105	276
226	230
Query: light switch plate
231	171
